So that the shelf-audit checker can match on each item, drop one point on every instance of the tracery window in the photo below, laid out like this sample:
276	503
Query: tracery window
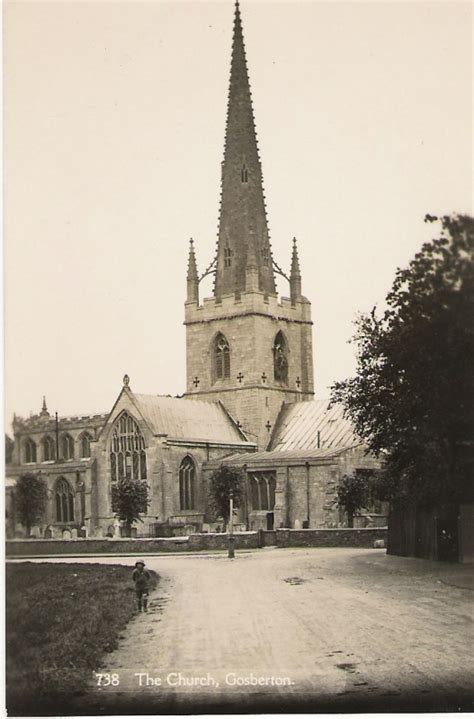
187	476
64	501
262	490
280	358
221	357
67	446
49	449
30	451
127	450
86	440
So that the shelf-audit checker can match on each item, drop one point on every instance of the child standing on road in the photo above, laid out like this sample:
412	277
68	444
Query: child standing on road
142	580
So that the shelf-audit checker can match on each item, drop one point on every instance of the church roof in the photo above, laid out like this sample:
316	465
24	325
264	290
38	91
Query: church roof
185	419
311	426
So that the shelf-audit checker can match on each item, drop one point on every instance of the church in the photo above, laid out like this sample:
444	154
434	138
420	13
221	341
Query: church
249	399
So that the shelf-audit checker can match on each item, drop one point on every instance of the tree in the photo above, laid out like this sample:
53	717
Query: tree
31	496
353	494
225	482
130	500
411	399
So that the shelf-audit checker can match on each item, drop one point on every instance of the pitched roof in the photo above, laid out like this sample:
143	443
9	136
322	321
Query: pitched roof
297	456
194	419
312	426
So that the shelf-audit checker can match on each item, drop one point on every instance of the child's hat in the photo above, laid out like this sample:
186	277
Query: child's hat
139	562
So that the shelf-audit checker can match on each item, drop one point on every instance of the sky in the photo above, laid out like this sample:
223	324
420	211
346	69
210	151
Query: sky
114	116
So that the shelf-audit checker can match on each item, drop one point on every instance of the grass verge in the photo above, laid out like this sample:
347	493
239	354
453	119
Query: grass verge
60	620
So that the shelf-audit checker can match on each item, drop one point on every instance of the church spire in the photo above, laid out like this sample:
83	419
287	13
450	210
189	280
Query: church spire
243	226
192	276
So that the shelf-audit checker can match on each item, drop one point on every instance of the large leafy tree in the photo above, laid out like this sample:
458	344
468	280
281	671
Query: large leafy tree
411	399
129	501
225	482
31	496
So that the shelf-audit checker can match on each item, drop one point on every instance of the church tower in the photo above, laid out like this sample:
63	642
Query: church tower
244	346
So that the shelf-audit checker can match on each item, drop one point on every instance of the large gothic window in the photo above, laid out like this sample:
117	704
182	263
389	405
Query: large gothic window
221	357
67	446
127	450
64	501
30	451
187	476
85	444
262	490
49	449
280	358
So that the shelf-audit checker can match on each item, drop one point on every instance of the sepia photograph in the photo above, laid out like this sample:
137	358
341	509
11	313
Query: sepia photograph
239	352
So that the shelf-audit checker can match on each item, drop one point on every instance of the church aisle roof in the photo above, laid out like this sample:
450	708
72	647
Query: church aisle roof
299	424
195	420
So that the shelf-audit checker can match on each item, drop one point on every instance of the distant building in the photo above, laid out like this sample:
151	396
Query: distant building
249	395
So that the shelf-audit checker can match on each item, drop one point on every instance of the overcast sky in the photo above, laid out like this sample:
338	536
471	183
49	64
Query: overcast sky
114	123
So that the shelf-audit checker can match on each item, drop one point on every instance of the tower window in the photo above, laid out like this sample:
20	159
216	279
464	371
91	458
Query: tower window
67	446
86	440
64	501
30	451
127	450
265	255
280	358
227	257
49	449
221	357
244	174
187	476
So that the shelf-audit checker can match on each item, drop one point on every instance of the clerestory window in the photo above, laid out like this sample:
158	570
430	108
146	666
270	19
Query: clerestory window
67	446
49	449
30	451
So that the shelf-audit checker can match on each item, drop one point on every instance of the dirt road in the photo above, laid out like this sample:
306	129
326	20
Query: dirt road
315	630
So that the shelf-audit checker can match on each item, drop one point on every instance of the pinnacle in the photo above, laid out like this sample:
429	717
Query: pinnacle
192	266
295	263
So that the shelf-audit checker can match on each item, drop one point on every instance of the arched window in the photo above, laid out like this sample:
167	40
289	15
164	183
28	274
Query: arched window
127	450
64	501
30	451
221	357
262	490
280	358
67	446
187	475
49	449
86	440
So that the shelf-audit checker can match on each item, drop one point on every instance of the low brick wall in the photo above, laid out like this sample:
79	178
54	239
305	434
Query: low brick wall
330	537
76	547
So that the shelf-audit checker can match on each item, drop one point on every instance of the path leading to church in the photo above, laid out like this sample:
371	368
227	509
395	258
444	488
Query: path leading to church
342	629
